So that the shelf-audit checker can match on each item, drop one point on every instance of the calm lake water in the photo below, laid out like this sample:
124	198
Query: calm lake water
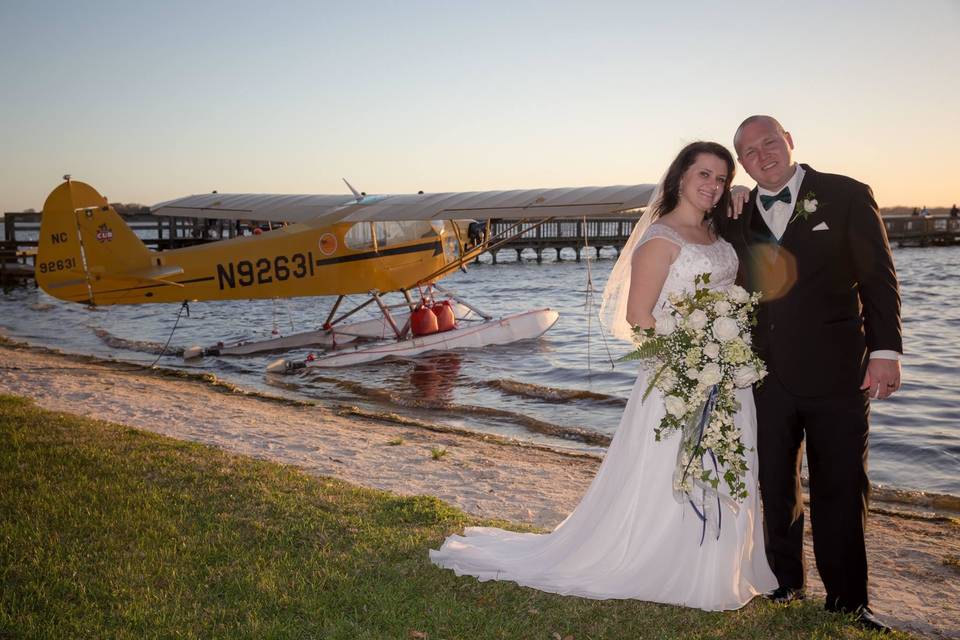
551	390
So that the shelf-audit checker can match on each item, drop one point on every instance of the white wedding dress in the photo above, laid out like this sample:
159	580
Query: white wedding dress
629	537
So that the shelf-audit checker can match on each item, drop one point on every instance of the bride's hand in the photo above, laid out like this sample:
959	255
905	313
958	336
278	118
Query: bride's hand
738	197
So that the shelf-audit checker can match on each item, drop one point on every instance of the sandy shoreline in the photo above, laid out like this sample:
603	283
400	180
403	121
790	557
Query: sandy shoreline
912	586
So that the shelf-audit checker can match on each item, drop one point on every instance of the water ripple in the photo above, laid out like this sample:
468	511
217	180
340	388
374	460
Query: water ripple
560	389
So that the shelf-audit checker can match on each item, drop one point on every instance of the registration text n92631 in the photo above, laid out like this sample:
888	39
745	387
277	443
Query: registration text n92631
262	271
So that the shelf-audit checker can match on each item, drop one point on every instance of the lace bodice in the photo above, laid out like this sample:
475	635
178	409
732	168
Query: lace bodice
718	259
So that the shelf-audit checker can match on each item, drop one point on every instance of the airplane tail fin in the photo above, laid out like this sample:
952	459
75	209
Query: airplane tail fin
86	250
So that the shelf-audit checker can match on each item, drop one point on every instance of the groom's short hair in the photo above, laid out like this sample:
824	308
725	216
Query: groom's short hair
753	119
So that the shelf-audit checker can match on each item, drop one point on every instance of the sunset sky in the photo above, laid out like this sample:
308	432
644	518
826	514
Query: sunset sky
152	102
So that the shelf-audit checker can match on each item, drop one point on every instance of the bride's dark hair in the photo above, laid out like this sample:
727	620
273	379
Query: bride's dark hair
671	183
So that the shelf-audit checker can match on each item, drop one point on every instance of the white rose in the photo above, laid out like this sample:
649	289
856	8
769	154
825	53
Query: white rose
745	376
710	374
675	406
697	319
692	373
810	206
722	307
725	329
712	350
664	323
667	381
738	294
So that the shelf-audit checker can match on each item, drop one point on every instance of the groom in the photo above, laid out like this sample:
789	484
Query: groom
829	330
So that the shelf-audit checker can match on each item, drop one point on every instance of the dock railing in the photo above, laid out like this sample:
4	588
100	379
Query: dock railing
156	232
578	235
922	231
21	232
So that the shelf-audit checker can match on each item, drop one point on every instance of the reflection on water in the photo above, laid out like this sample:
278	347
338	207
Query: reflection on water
435	376
560	389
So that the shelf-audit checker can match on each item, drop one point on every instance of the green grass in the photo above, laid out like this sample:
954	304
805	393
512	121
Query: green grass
437	452
109	532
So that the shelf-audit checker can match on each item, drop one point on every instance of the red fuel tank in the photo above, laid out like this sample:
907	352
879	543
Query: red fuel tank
423	322
446	318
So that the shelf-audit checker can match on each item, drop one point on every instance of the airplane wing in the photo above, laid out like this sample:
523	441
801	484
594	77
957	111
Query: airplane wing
253	206
327	209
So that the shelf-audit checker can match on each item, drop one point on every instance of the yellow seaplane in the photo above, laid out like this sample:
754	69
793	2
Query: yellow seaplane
329	245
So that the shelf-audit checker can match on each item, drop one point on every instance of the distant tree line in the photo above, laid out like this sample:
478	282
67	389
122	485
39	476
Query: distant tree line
130	208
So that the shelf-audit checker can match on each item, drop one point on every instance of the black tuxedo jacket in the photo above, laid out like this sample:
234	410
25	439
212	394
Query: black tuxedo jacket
830	293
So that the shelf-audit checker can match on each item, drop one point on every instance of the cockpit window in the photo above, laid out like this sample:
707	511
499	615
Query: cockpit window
360	235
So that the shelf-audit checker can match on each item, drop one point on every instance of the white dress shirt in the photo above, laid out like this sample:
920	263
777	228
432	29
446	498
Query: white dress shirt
778	216
780	212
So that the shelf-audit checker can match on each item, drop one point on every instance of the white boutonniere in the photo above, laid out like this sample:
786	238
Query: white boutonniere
805	206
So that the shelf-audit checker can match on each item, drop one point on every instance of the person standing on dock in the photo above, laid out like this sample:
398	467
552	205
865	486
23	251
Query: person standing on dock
829	331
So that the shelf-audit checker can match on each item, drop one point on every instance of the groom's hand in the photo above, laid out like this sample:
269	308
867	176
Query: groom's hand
739	195
882	379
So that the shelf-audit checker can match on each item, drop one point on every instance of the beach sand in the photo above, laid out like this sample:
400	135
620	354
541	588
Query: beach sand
915	580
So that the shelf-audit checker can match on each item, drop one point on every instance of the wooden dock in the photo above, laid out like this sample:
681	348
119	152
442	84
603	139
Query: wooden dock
157	232
16	264
21	231
917	231
577	235
902	231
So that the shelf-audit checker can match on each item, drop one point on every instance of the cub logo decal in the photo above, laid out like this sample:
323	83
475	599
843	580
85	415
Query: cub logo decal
104	233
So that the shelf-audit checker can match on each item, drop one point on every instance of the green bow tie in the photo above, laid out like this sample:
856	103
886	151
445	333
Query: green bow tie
783	196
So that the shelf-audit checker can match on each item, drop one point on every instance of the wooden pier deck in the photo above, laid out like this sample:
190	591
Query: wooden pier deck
16	264
21	230
592	235
917	231
902	231
157	232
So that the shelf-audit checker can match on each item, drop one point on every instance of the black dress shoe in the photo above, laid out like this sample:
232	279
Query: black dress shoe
783	595
865	619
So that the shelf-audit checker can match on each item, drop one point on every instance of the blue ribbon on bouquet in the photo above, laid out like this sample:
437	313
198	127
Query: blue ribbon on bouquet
701	425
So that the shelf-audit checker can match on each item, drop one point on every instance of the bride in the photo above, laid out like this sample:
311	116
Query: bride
629	537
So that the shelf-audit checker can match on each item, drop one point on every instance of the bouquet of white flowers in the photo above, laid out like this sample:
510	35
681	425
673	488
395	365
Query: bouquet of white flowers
700	352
